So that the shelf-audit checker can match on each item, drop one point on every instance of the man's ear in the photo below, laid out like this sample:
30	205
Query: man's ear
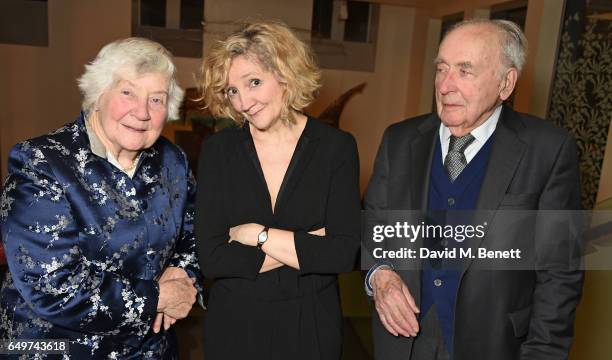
508	82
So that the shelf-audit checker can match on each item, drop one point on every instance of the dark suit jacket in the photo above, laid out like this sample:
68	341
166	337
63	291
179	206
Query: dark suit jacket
283	313
499	314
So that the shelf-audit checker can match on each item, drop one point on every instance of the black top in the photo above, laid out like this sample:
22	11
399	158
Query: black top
320	189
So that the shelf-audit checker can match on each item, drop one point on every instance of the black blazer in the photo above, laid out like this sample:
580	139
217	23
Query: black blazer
499	314
283	313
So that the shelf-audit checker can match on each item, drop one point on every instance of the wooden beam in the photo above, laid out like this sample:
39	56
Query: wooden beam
419	4
447	7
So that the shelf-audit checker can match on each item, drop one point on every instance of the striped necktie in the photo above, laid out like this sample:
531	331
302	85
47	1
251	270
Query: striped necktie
455	160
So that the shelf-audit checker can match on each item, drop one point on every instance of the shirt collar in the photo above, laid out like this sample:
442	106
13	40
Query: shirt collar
94	141
482	133
98	148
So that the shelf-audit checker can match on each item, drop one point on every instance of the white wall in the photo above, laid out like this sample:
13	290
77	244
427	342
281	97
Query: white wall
38	90
383	101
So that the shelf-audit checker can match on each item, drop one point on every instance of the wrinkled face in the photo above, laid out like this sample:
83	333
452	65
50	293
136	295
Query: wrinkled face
470	80
133	112
255	92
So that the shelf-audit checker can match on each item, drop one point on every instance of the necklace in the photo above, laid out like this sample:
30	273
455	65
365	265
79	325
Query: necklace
131	167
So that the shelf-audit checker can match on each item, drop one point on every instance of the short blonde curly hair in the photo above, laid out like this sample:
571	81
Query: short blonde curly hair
278	50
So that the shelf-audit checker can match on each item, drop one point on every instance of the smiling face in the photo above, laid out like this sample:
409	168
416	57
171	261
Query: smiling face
132	113
470	78
255	93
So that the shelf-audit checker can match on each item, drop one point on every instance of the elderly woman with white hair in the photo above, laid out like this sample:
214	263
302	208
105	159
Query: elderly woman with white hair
97	220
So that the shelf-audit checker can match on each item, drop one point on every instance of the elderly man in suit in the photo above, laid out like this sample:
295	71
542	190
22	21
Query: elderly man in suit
475	153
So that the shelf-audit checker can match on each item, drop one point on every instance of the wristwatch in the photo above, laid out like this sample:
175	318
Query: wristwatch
262	237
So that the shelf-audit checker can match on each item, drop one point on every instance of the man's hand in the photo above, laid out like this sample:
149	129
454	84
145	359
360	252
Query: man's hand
394	303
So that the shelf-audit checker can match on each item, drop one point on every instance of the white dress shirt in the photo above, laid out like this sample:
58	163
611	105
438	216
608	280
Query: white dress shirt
481	134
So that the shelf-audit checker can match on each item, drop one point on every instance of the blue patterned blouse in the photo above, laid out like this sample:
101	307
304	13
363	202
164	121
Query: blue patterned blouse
86	244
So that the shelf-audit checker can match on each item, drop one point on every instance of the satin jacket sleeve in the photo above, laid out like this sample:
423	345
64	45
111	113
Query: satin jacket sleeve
185	252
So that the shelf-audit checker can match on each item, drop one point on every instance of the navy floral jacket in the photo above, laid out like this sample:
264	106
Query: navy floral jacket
85	244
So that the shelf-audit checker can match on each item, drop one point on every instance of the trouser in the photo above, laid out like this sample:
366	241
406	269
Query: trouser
429	343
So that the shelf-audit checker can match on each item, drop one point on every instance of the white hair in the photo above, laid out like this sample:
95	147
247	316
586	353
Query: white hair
513	42
132	55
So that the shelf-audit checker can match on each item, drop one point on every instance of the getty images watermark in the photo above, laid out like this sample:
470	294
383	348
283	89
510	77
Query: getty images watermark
509	239
457	233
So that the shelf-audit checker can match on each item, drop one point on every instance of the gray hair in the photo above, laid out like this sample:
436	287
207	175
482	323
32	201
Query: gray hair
132	54
512	40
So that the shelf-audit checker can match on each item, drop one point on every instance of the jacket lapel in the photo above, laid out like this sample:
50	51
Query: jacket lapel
247	150
302	155
506	154
422	150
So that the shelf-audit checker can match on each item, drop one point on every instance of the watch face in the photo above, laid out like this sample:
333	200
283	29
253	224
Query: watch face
262	237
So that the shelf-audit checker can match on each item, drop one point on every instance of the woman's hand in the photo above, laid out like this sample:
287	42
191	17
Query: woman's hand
246	233
166	320
279	248
176	297
173	272
318	232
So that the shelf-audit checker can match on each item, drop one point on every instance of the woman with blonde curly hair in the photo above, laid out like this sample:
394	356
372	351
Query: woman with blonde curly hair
278	203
